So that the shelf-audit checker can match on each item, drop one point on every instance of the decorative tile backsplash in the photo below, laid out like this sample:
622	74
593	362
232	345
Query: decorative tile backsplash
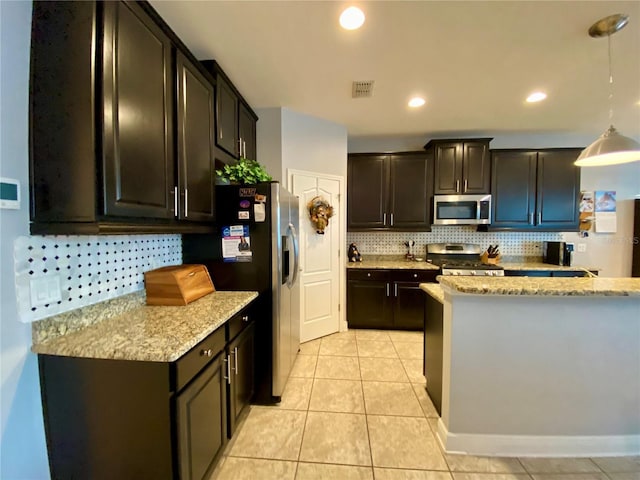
518	244
90	269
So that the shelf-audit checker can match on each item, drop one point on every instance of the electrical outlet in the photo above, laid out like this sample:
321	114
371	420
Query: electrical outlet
582	247
45	290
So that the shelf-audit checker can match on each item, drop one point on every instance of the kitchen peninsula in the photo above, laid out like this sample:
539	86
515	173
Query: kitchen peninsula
537	366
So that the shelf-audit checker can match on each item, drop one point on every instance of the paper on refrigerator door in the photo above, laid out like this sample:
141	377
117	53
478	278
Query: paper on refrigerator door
236	244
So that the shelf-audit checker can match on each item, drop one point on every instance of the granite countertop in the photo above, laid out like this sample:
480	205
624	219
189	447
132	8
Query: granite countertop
433	289
149	333
398	262
391	262
544	286
539	265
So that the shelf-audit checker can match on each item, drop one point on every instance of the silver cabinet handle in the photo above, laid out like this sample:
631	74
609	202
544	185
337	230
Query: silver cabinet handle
235	360
206	352
539	218
395	289
244	147
392	219
384	218
175	201
457	186
245	318
415	275
387	289
368	274
531	218
240	147
228	377
186	202
466	184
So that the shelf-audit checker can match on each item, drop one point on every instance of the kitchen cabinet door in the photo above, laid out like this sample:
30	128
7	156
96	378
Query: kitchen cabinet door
138	83
448	168
369	300
226	117
241	388
196	174
558	193
201	421
247	130
408	307
409	192
433	349
367	180
476	167
513	187
461	166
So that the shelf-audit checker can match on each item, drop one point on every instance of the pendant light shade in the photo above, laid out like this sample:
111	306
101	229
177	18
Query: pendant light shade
610	148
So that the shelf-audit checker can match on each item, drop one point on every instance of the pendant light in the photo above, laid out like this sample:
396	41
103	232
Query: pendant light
610	148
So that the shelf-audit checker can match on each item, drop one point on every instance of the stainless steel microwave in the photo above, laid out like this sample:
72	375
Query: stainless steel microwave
462	209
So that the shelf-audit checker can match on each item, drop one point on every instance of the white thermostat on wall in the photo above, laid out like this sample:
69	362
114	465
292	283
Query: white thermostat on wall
9	193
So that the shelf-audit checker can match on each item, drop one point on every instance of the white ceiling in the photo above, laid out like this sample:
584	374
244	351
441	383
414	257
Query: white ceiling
474	62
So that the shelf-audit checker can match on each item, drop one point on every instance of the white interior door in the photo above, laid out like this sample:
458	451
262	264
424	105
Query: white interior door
319	257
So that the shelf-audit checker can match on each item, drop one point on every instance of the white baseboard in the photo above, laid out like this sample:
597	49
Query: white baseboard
538	445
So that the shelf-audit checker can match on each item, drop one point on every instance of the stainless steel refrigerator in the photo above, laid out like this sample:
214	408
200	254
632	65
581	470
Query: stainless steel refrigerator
256	248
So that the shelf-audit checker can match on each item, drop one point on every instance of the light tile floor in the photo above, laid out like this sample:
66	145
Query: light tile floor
355	408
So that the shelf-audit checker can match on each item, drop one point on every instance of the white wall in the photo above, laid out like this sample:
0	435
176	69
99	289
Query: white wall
610	252
22	448
288	139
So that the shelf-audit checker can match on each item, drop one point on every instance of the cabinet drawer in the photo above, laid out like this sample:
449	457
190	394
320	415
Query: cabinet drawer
237	324
368	274
421	276
198	357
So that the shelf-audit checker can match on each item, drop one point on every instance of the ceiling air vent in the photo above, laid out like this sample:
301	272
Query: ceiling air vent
362	89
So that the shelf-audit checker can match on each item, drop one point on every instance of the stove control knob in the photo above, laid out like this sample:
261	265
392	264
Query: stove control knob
472	272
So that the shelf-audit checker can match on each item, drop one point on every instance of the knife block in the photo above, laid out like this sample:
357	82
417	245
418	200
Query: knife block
484	258
177	285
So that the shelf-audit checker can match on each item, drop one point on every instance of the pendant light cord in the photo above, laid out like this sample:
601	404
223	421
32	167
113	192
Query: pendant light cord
610	82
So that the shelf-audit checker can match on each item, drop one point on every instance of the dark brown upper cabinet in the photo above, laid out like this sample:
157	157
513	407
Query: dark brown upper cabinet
114	150
535	189
389	192
235	120
461	166
195	188
137	121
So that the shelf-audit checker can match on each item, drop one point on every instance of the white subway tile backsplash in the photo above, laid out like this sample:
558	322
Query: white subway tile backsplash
518	244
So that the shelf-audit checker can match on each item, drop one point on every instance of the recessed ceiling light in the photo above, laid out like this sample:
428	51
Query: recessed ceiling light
352	18
536	97
416	102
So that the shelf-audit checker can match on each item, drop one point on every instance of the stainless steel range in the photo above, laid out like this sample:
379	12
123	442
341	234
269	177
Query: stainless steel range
461	259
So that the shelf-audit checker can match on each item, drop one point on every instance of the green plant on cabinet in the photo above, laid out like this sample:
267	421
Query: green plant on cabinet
244	171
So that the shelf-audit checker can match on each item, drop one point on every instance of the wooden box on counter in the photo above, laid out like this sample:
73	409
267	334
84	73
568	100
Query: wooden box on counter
177	285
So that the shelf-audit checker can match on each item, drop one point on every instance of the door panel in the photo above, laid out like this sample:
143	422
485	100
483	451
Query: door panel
195	143
448	168
558	189
138	114
513	187
476	167
408	311
367	191
369	304
410	195
319	258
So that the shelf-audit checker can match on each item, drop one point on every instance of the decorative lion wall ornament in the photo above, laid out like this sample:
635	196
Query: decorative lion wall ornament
319	212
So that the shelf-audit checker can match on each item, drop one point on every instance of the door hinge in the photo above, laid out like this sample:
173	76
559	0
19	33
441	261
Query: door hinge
338	307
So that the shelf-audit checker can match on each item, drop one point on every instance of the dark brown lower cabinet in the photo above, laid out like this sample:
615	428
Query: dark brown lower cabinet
242	375
126	419
202	420
386	299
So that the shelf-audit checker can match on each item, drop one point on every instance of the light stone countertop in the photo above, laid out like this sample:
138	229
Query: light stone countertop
544	286
149	333
391	262
398	262
434	290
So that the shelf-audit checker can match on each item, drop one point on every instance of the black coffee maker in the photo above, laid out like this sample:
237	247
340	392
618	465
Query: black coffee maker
557	253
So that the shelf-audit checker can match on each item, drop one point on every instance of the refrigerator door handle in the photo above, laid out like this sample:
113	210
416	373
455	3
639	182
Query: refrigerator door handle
296	255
